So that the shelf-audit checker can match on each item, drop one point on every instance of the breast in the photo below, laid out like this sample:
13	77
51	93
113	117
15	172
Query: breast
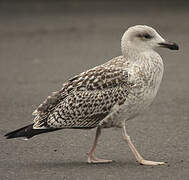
146	78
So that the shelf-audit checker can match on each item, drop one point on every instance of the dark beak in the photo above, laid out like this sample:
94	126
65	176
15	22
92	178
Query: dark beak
169	45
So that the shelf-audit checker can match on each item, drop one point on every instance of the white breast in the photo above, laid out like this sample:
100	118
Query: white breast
146	75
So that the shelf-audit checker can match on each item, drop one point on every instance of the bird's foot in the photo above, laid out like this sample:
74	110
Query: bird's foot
93	159
151	163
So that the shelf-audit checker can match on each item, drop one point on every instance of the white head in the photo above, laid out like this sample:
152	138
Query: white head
142	38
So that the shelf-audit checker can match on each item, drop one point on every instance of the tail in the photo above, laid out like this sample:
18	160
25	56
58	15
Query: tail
27	132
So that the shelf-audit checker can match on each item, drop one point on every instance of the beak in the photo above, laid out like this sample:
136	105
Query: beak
169	45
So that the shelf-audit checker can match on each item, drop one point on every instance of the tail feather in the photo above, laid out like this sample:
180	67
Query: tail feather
27	132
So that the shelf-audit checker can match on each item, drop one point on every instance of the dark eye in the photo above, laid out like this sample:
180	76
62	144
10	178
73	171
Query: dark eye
147	36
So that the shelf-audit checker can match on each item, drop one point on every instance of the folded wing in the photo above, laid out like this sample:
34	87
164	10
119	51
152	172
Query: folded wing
84	100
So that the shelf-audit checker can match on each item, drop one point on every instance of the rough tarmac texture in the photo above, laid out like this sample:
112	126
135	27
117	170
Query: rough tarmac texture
44	44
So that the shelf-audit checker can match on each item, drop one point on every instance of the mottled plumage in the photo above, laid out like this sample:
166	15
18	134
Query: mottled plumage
87	98
107	95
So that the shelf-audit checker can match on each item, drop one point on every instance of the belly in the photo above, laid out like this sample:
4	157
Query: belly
132	108
136	103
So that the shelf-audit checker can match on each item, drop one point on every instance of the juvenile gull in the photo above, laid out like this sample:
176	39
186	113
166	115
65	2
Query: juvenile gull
107	95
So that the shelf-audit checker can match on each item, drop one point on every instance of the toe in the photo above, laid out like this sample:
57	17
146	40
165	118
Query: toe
97	160
151	163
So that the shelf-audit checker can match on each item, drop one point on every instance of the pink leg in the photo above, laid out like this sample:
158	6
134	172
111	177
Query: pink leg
91	156
139	158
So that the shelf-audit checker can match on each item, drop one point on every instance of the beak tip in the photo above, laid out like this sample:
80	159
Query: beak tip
175	46
169	45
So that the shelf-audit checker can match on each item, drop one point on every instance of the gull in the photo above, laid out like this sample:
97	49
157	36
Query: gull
107	95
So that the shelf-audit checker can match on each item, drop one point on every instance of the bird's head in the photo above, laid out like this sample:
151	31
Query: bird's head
144	38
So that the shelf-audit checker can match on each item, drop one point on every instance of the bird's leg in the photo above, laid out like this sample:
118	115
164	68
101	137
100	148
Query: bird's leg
91	156
139	158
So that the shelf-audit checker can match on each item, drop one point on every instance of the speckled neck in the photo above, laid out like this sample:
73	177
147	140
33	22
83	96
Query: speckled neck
130	53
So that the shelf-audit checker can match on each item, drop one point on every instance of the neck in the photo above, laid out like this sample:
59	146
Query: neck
134	54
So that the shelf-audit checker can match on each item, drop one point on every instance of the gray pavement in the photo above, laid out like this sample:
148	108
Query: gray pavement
44	44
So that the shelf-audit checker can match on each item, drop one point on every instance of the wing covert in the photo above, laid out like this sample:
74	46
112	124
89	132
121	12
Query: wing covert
85	99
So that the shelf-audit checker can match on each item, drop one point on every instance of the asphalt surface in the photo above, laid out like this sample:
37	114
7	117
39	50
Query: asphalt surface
44	44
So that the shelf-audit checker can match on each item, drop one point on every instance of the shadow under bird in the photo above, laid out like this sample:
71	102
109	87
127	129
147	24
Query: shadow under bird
107	95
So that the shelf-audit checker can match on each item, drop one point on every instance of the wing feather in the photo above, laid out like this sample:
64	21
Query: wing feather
85	99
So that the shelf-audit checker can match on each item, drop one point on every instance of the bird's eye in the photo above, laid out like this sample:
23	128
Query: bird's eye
147	36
